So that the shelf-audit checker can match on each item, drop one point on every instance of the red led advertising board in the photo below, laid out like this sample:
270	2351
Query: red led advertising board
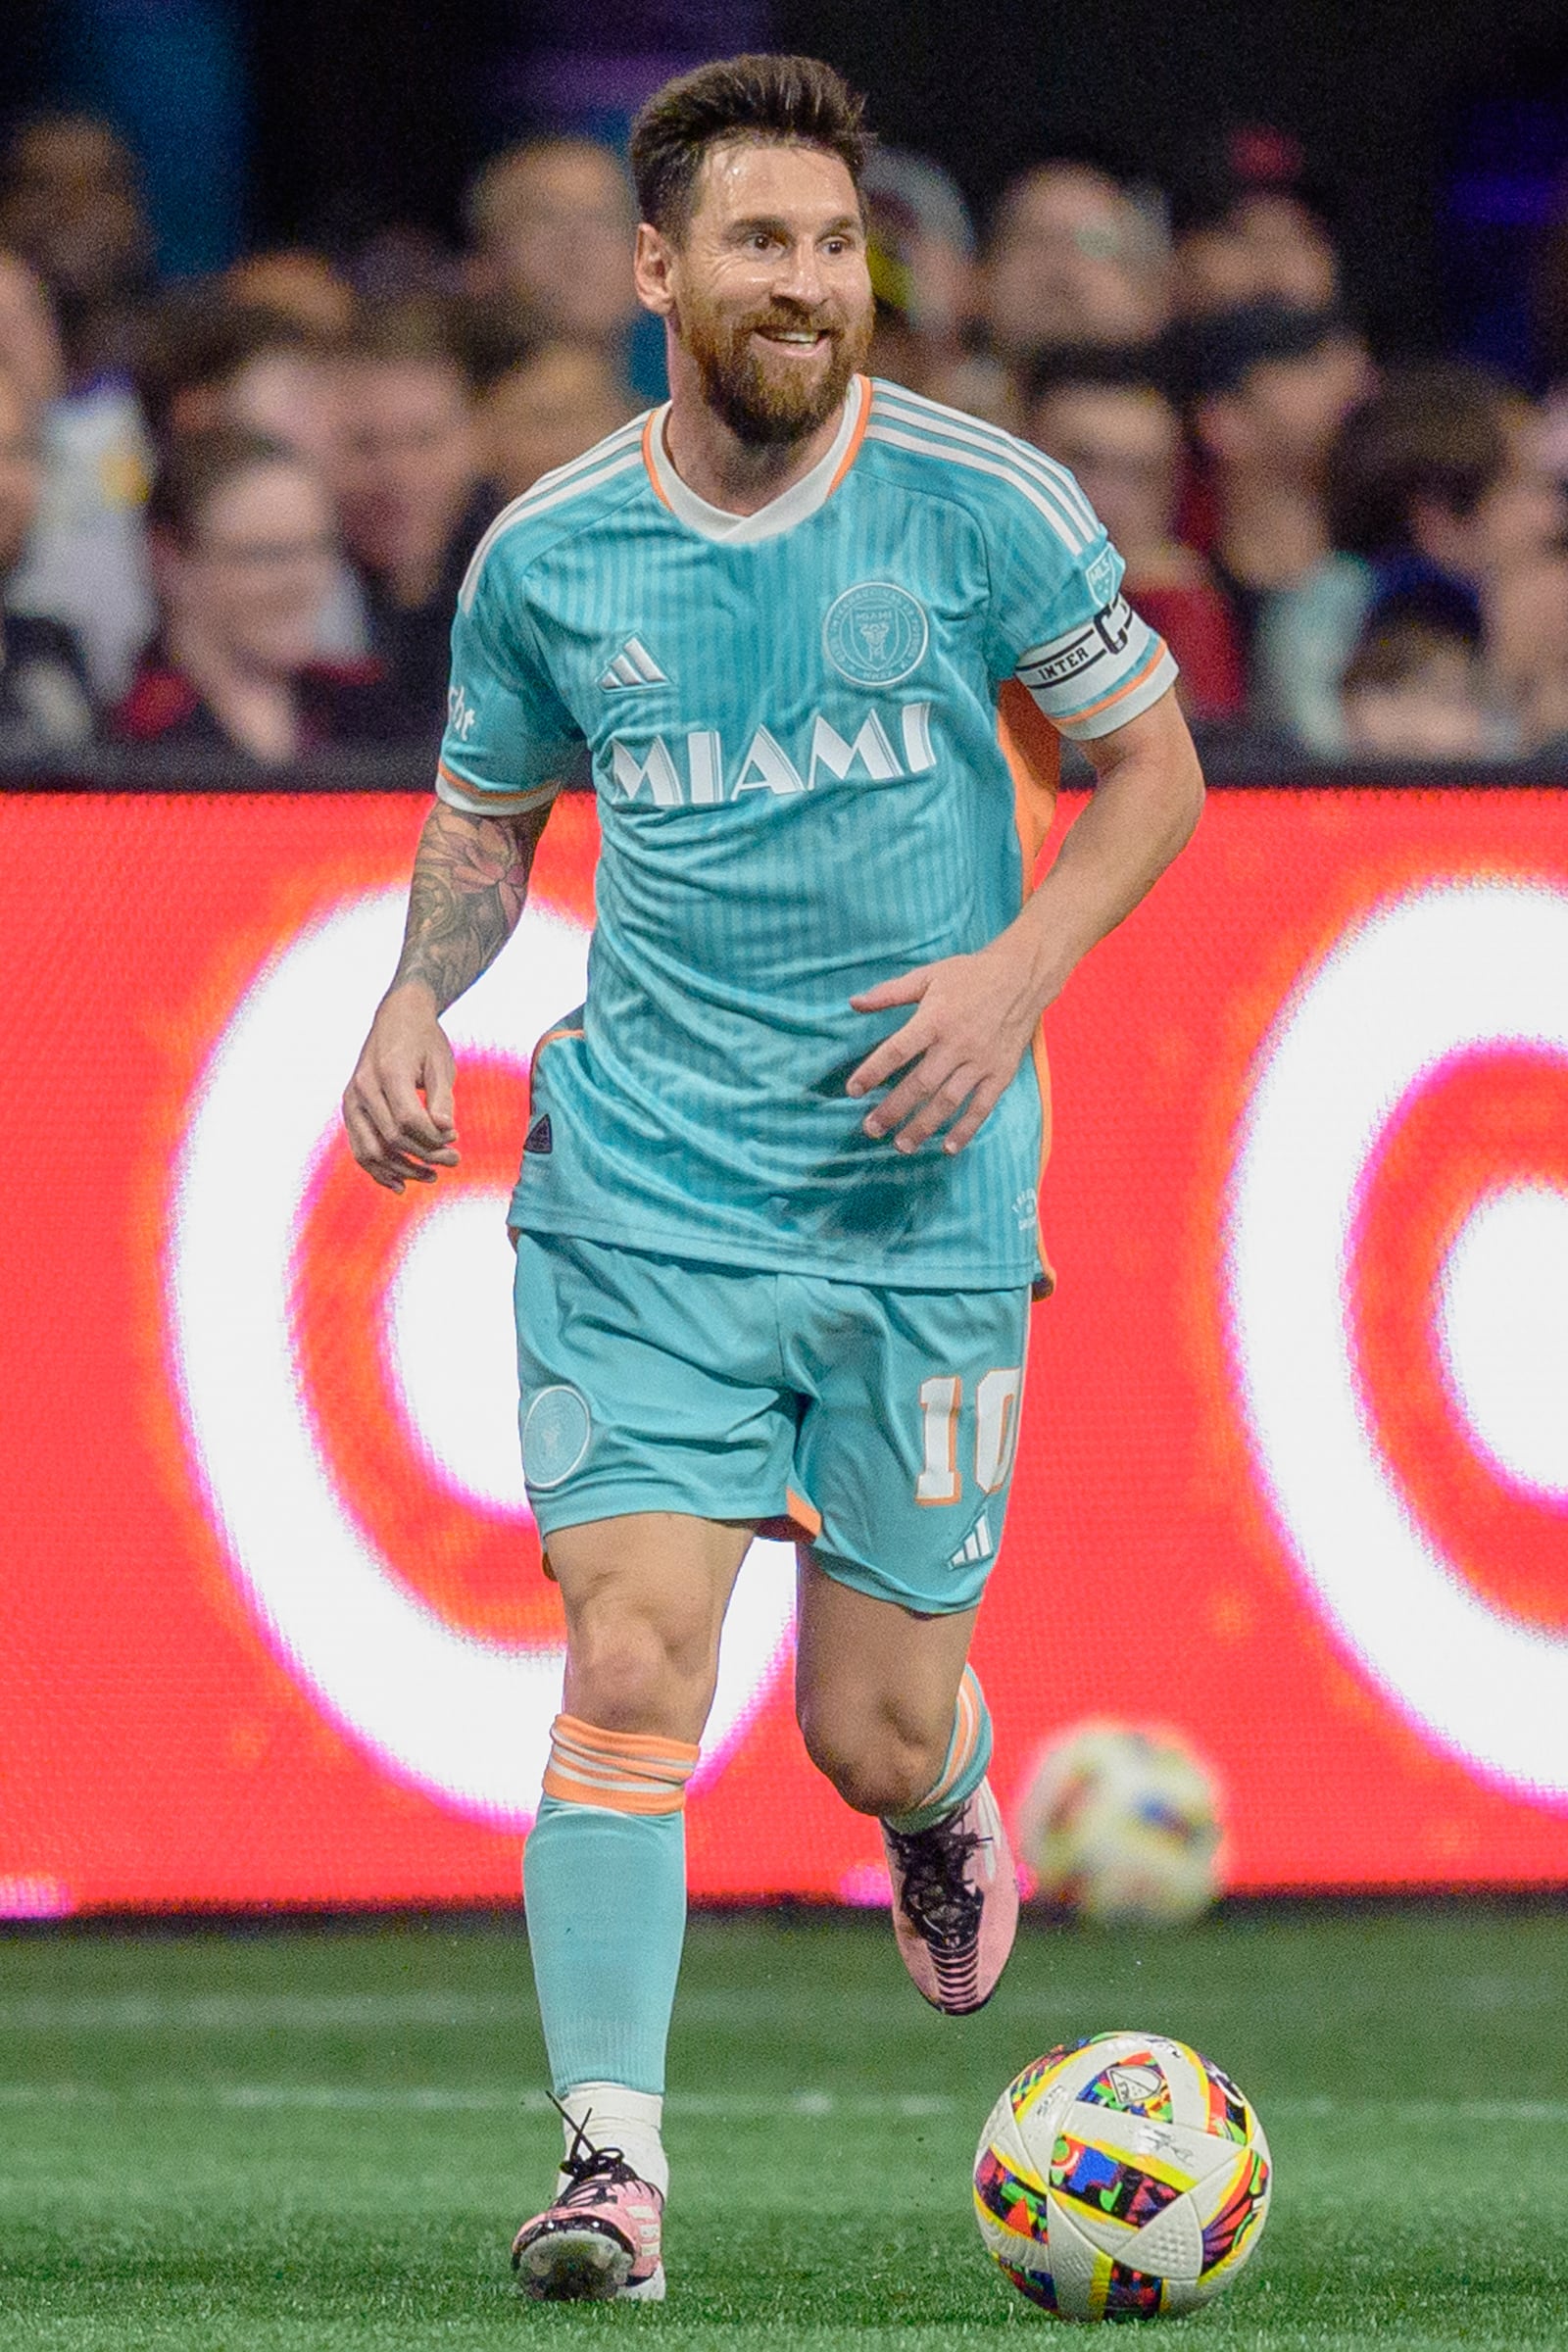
1293	1474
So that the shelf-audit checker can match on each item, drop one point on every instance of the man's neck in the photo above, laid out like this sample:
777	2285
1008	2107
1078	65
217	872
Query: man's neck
720	468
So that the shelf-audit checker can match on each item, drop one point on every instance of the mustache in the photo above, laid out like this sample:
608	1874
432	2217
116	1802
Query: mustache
796	319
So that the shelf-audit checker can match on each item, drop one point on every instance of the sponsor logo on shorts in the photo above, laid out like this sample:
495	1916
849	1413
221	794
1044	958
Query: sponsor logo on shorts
556	1430
875	634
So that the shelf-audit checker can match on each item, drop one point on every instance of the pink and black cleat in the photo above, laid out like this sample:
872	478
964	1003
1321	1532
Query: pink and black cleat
955	1903
599	2240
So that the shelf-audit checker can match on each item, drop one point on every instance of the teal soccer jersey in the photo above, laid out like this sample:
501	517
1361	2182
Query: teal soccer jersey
791	722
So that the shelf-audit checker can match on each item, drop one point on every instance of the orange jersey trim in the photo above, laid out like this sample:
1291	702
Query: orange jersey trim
1032	749
855	438
648	457
844	465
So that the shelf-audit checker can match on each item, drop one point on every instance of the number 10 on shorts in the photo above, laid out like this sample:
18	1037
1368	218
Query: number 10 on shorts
995	1433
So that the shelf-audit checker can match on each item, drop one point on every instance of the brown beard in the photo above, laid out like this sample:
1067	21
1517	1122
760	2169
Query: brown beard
770	410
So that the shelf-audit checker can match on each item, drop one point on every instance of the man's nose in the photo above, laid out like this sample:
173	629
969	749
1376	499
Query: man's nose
799	275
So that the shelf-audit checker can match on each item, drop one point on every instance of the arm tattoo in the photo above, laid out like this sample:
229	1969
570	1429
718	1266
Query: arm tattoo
470	878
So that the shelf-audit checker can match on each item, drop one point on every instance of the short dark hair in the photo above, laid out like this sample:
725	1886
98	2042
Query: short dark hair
201	339
791	101
1431	432
197	465
1094	367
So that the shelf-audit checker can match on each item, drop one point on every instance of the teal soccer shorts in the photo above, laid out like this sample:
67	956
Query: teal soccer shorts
881	1423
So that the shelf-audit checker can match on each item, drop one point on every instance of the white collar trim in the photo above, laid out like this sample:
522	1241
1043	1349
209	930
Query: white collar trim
781	513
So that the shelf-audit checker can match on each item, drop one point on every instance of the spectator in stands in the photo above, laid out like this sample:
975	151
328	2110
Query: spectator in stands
1102	414
1416	688
922	251
1435	483
70	206
30	338
1072	258
1251	227
45	706
1265	390
550	222
411	503
241	537
1528	646
548	404
208	360
1442	476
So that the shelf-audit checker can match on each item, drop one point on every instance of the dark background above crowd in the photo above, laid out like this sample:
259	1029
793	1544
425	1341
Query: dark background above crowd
293	298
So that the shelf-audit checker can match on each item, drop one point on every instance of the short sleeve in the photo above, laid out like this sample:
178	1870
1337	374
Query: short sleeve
1061	624
510	742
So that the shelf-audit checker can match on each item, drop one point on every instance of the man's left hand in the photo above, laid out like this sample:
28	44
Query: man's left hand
959	1050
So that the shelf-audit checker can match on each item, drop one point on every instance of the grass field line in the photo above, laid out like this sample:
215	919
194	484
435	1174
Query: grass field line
810	2105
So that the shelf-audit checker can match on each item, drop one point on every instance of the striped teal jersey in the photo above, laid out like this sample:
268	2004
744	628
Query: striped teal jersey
791	721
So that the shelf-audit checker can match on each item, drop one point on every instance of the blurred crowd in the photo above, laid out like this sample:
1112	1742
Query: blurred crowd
234	514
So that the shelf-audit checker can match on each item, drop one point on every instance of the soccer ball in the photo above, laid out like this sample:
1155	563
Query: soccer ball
1122	1826
1119	2177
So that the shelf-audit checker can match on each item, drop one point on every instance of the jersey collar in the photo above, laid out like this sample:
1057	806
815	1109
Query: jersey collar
781	513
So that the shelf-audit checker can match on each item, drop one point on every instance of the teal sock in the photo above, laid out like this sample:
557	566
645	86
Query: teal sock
965	1767
606	1900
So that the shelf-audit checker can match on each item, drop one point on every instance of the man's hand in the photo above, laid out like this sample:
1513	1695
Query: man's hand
470	879
975	1018
398	1105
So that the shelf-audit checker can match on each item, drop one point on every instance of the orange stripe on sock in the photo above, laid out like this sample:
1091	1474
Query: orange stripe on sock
624	1771
965	1739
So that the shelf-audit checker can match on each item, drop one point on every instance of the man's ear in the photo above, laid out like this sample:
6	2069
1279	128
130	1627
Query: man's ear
651	270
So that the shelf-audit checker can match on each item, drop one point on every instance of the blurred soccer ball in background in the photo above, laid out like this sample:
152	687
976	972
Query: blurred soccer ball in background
1121	2177
1122	1826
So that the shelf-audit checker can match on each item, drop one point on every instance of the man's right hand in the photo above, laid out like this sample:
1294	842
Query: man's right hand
397	1106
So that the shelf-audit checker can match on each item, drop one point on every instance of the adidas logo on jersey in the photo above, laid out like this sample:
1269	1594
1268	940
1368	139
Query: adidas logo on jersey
634	665
976	1545
883	750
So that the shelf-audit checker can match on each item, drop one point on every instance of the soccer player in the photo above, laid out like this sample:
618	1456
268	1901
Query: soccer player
776	1220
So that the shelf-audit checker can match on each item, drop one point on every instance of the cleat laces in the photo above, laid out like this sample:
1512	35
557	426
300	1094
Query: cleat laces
936	1895
591	2170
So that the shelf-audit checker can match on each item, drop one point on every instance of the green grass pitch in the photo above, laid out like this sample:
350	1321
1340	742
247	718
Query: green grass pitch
320	2142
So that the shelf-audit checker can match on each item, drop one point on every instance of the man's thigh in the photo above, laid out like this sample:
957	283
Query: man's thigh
905	1449
647	1385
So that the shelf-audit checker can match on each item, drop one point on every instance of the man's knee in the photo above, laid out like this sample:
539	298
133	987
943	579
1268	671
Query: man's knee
877	1764
627	1671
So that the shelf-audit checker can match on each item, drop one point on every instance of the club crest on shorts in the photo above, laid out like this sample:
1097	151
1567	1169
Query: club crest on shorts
555	1428
875	634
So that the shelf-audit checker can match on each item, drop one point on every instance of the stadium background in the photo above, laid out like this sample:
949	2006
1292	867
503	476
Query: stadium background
195	1713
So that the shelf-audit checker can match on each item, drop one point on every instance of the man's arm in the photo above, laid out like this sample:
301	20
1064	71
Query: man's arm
975	1016
471	881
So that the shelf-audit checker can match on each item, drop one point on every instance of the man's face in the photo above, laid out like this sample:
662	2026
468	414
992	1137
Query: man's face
405	460
1123	443
1071	262
20	473
1286	413
768	289
557	237
71	206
